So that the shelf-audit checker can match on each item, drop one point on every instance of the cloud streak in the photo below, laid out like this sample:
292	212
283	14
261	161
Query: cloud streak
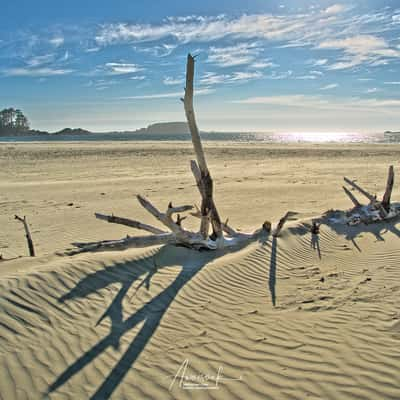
36	72
166	95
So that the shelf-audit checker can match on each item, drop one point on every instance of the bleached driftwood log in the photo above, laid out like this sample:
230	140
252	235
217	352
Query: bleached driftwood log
27	235
208	213
375	210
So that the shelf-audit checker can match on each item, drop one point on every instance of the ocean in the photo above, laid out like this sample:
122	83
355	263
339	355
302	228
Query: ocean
282	137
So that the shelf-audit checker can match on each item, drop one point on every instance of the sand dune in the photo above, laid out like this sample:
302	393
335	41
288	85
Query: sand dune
283	320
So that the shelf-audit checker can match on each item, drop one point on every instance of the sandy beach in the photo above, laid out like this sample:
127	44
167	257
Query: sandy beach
281	320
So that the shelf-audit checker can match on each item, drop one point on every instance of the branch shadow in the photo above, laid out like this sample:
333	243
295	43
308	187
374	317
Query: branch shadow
334	220
315	244
150	314
272	270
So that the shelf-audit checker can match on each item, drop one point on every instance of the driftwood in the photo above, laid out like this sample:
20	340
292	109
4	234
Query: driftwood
376	210
27	235
389	188
222	235
281	222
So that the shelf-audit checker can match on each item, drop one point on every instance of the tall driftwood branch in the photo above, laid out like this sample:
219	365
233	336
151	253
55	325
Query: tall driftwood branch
27	235
206	188
128	222
389	188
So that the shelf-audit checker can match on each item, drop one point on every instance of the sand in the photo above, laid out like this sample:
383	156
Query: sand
281	321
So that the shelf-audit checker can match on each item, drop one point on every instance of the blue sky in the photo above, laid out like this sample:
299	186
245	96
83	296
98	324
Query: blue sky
261	66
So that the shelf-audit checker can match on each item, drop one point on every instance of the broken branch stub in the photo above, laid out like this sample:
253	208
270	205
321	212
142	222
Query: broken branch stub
27	235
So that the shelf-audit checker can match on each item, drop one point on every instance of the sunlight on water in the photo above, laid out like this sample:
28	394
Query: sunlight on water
321	137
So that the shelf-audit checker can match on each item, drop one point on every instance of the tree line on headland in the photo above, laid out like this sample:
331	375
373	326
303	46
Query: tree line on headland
13	122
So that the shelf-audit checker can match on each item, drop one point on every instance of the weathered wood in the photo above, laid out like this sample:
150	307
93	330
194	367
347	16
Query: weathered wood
175	210
369	196
281	222
352	197
389	188
226	228
128	222
190	116
164	218
206	187
27	235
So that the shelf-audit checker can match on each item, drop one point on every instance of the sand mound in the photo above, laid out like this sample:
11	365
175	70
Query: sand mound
283	321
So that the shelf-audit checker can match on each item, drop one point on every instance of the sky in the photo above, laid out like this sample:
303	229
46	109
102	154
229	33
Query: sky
295	65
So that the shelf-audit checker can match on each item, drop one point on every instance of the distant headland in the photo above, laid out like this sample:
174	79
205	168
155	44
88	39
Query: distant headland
14	123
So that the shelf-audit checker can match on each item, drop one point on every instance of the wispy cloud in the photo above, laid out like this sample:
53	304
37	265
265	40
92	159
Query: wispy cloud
162	50
36	72
240	54
392	83
212	78
329	87
166	95
114	68
360	49
318	63
263	64
38	60
279	75
306	77
326	103
170	81
138	77
335	9
57	41
101	84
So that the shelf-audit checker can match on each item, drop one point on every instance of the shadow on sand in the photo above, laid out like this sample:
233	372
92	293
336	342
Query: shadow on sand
150	314
272	270
350	233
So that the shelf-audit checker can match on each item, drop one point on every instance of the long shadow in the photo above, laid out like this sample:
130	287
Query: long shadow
272	270
150	314
349	233
315	244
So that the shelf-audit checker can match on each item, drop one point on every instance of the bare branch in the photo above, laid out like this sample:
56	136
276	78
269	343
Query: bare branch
163	218
180	209
128	222
27	235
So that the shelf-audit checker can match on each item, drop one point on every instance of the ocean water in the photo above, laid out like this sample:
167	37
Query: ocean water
281	137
